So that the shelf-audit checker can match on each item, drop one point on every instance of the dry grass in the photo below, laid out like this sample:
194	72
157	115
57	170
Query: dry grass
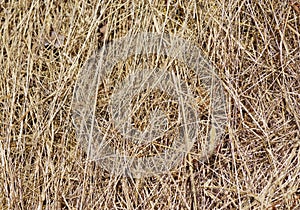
255	48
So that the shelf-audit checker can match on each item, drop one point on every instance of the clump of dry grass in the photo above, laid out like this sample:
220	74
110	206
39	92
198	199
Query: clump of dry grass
253	46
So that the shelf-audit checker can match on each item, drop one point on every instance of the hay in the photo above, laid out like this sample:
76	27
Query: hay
255	49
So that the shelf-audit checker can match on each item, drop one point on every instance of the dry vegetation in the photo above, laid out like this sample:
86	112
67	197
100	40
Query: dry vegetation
254	47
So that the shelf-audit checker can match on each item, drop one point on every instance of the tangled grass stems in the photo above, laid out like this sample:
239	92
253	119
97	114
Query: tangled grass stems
254	46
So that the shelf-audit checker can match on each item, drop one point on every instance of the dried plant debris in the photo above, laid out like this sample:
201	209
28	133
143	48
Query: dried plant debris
296	6
55	39
254	48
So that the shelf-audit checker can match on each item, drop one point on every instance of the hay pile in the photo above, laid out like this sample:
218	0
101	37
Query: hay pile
254	47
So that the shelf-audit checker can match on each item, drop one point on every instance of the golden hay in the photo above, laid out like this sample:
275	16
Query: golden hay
254	47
